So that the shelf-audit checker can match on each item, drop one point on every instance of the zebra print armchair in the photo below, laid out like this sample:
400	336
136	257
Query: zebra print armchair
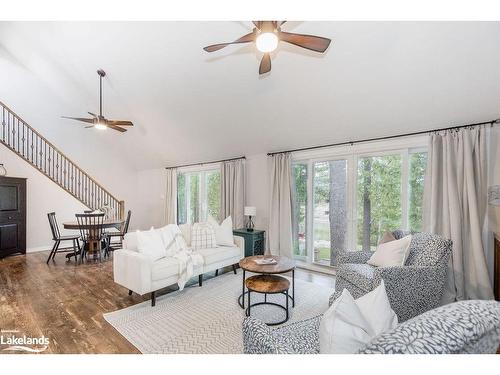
413	288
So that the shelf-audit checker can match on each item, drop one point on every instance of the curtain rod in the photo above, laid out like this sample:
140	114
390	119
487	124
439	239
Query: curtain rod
207	162
492	122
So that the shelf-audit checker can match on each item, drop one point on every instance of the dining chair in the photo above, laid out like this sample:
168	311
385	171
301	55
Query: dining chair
118	234
92	232
57	238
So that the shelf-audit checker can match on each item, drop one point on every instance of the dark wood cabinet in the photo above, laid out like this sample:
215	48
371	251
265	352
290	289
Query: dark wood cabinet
12	216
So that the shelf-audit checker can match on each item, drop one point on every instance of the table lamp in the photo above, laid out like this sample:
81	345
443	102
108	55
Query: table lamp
250	211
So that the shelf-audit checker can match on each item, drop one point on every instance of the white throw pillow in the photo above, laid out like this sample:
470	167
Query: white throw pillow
349	325
150	244
223	232
377	309
203	236
393	253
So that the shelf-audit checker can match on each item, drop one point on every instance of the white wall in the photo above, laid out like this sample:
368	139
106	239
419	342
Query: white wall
43	196
151	189
257	189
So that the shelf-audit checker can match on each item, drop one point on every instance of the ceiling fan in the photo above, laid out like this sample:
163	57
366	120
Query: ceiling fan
267	35
100	122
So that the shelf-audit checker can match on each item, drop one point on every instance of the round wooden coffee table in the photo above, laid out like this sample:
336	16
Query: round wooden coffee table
268	284
282	265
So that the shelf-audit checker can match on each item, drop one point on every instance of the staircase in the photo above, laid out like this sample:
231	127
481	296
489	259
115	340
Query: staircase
30	145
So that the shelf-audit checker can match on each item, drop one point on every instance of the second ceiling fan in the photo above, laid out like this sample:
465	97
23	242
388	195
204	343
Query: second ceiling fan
267	35
99	121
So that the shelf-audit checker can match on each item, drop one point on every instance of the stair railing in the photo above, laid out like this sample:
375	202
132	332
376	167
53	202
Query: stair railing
30	145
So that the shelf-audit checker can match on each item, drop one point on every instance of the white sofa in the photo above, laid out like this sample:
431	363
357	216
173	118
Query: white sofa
139	274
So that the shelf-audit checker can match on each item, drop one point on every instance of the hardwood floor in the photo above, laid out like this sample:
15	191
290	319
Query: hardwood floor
65	302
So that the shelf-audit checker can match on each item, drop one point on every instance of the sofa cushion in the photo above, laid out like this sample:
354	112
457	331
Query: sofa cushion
218	254
460	327
361	275
164	268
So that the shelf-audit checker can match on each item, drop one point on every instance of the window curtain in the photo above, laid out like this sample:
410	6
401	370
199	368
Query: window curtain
280	205
171	196
455	197
232	192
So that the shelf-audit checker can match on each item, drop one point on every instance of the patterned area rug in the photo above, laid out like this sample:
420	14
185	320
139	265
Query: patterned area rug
208	319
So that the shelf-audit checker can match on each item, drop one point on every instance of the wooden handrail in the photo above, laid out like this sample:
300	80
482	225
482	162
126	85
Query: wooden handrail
35	149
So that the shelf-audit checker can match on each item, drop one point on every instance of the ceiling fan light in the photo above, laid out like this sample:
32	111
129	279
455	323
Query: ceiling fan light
100	126
267	42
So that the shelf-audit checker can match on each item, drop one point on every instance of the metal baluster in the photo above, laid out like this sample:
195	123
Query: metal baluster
3	124
24	126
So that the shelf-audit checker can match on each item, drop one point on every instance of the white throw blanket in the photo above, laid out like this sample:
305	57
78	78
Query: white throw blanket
177	248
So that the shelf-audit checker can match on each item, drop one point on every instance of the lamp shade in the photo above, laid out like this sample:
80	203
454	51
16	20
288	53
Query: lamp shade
250	211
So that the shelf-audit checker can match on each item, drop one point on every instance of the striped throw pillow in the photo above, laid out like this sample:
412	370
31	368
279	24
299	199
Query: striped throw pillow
202	236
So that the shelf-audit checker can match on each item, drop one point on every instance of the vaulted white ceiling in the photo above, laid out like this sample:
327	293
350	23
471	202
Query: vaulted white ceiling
377	78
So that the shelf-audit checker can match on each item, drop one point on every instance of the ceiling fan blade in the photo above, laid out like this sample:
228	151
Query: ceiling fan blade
265	64
311	42
119	122
114	127
244	39
92	114
91	126
88	120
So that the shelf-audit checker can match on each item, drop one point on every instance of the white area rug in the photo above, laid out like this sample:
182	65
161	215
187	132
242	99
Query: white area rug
208	319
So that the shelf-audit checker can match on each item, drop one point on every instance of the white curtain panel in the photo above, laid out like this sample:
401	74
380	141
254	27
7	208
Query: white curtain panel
232	192
171	196
280	205
455	199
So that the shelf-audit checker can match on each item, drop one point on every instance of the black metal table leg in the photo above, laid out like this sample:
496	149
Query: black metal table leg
293	289
286	297
243	291
249	304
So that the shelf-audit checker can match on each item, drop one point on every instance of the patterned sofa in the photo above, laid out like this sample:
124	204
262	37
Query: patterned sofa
460	327
413	288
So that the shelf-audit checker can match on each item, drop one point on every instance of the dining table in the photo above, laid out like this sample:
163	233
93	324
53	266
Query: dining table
107	223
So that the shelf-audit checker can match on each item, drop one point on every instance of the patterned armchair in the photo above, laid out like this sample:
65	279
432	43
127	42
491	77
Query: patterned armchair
413	288
462	327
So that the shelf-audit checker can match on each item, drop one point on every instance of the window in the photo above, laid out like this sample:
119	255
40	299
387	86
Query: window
348	201
198	195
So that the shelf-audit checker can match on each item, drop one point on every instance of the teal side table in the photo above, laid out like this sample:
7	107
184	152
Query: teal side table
254	241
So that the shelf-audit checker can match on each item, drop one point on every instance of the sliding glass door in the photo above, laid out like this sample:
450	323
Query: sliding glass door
347	203
378	198
319	224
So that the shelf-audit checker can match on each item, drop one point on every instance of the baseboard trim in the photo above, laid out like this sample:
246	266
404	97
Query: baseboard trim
316	267
38	249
